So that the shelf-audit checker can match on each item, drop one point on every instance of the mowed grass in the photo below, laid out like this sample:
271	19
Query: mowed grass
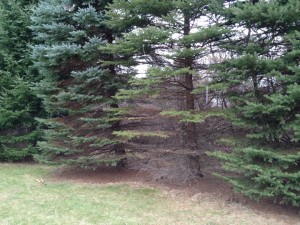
23	200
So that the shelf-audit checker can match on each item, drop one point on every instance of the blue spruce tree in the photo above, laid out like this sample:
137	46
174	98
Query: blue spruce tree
78	85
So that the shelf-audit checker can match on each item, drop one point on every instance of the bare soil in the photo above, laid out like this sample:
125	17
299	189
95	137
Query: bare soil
209	185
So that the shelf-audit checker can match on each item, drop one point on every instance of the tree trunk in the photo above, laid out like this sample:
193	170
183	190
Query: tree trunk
118	148
191	131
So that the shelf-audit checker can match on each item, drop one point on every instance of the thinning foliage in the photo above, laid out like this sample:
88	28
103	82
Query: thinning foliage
169	38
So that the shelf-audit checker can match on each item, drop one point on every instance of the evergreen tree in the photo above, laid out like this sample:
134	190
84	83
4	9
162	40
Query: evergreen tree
262	80
169	37
78	85
18	103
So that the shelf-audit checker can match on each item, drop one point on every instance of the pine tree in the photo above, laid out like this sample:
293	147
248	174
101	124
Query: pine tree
78	85
262	80
18	103
169	37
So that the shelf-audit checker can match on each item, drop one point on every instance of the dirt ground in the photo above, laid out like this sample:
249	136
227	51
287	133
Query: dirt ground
209	185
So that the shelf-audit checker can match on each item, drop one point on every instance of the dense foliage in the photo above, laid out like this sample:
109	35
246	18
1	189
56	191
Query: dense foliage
262	84
18	102
78	84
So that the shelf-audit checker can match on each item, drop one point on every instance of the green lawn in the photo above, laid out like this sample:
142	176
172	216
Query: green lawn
23	200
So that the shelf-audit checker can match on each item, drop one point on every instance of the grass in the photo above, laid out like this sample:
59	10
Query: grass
23	200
